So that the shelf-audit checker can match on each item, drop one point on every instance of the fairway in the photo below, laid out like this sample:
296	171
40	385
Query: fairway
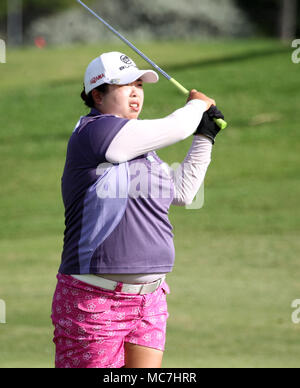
237	259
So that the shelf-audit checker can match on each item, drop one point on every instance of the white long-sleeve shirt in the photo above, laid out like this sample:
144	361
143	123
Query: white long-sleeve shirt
138	137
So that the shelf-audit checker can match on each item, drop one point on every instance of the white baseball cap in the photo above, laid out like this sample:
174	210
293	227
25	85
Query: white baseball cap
116	69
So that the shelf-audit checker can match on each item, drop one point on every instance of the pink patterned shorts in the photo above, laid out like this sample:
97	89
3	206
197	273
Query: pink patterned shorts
92	324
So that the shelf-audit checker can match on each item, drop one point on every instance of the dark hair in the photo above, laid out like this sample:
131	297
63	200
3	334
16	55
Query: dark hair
88	99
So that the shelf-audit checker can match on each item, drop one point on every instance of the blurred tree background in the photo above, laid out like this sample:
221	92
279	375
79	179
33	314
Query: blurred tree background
33	9
273	17
63	21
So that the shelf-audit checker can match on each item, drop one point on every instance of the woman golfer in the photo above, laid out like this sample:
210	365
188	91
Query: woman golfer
109	307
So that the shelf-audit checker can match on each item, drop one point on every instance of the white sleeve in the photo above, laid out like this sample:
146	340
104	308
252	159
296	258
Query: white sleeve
189	176
138	137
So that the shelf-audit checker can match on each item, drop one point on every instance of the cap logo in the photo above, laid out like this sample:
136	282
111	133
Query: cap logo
126	60
95	79
115	81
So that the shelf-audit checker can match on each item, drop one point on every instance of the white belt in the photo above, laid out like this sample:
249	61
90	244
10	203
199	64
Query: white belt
139	289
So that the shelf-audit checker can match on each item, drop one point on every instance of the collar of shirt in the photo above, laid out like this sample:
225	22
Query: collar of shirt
94	112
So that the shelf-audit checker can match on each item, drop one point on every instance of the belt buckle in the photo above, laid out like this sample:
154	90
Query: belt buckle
149	288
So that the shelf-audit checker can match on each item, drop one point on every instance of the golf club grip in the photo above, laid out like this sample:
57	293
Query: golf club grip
220	122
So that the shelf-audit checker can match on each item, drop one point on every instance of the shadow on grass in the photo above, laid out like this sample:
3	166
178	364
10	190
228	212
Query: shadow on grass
235	58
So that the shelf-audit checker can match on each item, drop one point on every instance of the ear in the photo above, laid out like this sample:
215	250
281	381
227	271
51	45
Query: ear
97	96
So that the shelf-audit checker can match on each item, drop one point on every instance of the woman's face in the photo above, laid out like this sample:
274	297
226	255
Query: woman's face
125	101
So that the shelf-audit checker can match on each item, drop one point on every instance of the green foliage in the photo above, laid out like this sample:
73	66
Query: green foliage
33	9
265	15
139	19
156	18
36	8
43	6
46	4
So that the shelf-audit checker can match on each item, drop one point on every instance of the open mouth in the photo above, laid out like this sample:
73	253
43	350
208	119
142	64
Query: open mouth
135	106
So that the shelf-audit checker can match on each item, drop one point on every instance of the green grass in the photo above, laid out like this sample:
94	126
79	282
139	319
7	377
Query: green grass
237	259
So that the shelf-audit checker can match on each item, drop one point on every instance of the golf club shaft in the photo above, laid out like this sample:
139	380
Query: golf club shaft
221	123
